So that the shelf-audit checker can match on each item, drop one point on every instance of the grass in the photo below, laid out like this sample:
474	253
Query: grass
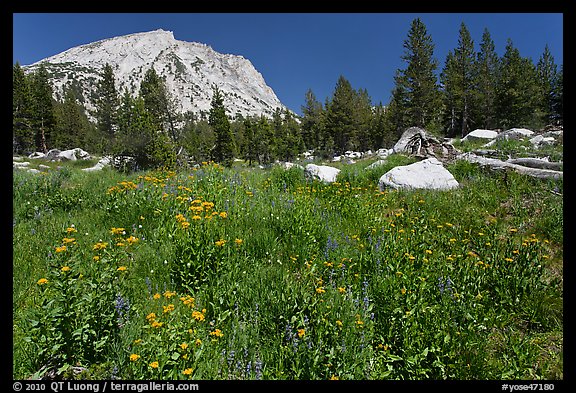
243	273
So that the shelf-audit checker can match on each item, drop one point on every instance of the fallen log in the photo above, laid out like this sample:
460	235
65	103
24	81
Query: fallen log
536	163
500	165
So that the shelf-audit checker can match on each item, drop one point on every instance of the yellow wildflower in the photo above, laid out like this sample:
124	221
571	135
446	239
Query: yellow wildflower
117	231
339	323
238	241
223	214
61	249
217	333
151	316
169	294
156	296
342	289
96	258
168	308
157	324
403	291
220	242
301	332
42	281
68	240
188	371
134	357
320	290
100	246
70	230
122	268
185	225
154	364
197	315
184	346
198	342
188	300
132	240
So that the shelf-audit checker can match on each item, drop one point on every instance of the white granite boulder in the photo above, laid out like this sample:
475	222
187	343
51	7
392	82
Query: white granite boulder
427	174
480	135
104	161
323	173
73	155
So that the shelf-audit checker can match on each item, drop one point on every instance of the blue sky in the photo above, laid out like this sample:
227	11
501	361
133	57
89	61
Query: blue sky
298	51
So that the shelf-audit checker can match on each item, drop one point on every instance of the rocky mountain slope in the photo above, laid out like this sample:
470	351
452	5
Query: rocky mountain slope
190	69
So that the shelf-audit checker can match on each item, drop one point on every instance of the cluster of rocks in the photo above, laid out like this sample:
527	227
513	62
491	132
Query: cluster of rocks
56	155
550	136
432	153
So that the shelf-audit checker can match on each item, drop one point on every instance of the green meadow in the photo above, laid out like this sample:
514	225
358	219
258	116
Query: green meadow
248	273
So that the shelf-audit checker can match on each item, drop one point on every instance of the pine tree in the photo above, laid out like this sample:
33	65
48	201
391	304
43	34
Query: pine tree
419	78
139	136
487	68
517	90
312	123
42	108
107	102
340	122
159	103
278	144
363	139
547	74
264	134
71	125
396	117
448	78
465	57
224	148
22	130
558	97
458	78
292	136
250	148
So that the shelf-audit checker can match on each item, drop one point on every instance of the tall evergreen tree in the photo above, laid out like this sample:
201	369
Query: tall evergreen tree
459	81
547	74
362	137
71	125
159	102
224	147
419	81
340	122
139	136
465	57
264	134
250	142
107	102
292	138
517	89
22	130
312	121
558	97
42	108
380	133
396	116
487	69
448	79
